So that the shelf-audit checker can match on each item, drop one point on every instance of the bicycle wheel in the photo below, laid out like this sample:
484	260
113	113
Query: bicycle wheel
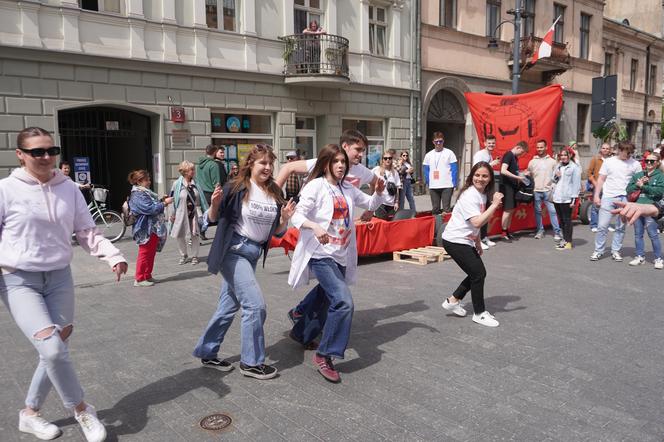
111	225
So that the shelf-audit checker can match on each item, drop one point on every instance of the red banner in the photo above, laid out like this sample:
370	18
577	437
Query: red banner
513	118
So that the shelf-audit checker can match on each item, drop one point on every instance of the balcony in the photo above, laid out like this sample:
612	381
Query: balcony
549	67
317	60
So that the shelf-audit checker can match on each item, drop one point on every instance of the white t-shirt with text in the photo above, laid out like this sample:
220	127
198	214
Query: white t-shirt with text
358	174
440	171
618	174
459	230
258	214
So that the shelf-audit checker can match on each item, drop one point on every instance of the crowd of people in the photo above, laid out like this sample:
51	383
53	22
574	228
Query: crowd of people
248	207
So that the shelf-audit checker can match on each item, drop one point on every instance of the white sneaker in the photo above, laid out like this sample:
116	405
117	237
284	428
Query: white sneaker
484	246
659	263
37	426
637	261
594	229
557	238
454	308
93	429
595	256
539	234
617	257
485	318
612	229
488	242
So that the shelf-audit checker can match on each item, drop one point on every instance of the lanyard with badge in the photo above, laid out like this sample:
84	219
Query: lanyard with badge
436	172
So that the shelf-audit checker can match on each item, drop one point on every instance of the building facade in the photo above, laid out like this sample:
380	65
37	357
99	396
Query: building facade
149	83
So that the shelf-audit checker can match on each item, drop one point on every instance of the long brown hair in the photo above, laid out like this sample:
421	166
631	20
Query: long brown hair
488	190
324	161
243	177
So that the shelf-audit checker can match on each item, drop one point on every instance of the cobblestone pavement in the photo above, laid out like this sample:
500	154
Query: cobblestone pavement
578	355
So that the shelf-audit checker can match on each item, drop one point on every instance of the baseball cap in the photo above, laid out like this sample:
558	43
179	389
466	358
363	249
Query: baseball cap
291	154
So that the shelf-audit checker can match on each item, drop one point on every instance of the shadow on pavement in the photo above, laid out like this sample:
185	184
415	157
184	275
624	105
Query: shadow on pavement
187	275
499	303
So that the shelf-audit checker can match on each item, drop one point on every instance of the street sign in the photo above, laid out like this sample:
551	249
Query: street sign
82	170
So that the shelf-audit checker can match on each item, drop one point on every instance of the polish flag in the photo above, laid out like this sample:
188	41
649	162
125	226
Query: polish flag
545	46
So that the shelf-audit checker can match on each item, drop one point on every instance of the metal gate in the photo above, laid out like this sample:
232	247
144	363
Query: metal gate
117	141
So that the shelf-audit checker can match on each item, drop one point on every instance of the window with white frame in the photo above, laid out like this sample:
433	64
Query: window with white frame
222	14
101	5
305	137
238	133
377	29
373	130
448	13
305	12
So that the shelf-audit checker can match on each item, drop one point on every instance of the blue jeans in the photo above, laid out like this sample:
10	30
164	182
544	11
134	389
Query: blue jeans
603	221
407	192
541	197
330	309
648	224
239	289
594	216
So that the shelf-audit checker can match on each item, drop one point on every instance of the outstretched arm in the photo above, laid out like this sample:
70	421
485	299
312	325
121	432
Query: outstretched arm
299	166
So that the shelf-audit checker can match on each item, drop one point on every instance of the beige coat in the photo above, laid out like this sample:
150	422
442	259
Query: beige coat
180	224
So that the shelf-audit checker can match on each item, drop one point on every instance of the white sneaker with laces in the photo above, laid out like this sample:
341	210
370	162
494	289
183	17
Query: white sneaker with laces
557	238
485	318
454	308
637	261
612	229
595	256
488	242
659	263
617	257
484	246
37	426
593	229
93	429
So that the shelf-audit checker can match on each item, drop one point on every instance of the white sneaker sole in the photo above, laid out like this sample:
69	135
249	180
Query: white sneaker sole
218	367
39	435
486	324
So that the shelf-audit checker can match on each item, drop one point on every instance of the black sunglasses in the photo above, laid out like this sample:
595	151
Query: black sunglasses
650	161
387	158
39	152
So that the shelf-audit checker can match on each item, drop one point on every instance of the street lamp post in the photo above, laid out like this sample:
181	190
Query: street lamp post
518	14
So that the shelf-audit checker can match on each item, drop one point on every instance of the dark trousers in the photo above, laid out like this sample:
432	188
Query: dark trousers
564	213
439	196
484	231
470	262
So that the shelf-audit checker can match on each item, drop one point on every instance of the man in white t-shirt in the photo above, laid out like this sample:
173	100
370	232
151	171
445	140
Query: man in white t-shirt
610	188
486	155
440	173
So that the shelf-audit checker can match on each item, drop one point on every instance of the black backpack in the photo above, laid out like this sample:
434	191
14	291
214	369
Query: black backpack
525	193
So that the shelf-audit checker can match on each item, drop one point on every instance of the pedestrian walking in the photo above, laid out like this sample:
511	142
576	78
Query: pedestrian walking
150	230
187	210
650	183
251	212
327	250
461	239
566	179
40	209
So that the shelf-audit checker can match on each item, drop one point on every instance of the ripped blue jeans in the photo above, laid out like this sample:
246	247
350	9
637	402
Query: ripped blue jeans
38	302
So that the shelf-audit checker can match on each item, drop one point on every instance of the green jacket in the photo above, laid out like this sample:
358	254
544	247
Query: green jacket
652	191
207	173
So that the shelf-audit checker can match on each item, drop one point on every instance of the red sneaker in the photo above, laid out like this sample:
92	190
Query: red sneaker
326	369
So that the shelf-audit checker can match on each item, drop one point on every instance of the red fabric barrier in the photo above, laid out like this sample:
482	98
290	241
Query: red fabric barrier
378	236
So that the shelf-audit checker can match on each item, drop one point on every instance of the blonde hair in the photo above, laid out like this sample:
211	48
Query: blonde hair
185	166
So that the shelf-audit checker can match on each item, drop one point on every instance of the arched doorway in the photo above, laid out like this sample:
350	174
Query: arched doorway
446	114
115	140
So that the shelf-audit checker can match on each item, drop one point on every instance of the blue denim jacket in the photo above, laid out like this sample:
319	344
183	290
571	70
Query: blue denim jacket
149	217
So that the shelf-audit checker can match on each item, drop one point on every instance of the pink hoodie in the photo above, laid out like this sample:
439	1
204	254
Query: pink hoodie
37	221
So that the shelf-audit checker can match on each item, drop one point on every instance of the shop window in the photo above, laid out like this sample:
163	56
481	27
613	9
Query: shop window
239	133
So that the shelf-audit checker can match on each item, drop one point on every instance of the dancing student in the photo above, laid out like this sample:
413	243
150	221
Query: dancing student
40	209
461	239
326	248
251	212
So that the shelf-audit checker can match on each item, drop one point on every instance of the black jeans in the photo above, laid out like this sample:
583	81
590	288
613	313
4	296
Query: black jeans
439	196
564	213
484	231
470	262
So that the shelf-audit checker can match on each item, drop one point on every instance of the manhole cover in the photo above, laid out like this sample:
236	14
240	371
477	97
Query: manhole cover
215	422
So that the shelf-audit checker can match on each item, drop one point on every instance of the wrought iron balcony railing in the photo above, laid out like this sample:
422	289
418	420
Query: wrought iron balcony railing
307	55
530	45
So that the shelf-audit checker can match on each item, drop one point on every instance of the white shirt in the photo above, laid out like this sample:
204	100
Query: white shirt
358	174
258	214
392	177
618	174
339	229
459	230
482	155
440	172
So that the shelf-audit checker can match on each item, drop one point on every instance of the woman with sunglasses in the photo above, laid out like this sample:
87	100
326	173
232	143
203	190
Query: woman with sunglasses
651	184
406	170
389	173
40	209
251	212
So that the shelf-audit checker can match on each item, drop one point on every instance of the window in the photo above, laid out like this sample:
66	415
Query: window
528	27
581	118
584	36
631	127
633	71
608	64
305	12
239	133
101	5
448	13
652	80
377	29
373	130
492	17
221	14
305	137
559	30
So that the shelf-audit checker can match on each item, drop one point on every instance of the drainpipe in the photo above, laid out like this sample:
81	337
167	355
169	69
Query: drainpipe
644	129
411	105
417	145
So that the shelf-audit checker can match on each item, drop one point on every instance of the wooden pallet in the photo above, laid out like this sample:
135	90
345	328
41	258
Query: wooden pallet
421	256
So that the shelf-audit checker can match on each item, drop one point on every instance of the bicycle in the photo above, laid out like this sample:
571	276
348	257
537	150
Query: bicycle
109	222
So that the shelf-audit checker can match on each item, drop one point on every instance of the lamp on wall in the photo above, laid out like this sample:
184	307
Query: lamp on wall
398	4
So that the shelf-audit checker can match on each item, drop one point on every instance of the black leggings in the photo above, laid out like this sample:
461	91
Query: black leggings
470	262
564	213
